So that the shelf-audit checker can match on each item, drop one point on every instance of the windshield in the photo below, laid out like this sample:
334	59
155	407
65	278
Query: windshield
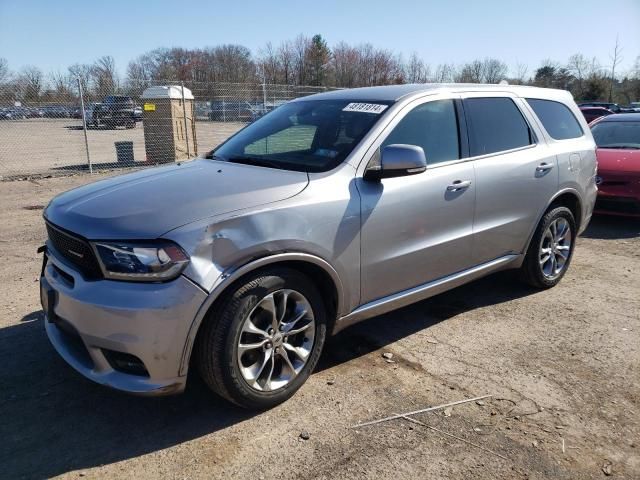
617	134
308	136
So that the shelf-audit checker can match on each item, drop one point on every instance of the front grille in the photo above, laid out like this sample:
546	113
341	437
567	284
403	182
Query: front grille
76	251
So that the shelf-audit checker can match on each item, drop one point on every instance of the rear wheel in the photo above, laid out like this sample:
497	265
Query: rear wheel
264	340
551	249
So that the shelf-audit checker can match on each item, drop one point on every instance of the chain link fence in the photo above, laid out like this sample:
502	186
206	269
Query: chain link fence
99	129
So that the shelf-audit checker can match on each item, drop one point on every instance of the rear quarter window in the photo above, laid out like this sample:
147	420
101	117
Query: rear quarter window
557	119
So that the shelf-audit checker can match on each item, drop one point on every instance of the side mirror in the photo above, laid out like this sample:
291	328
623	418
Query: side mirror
398	161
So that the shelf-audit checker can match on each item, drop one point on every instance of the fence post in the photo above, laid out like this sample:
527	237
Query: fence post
184	116
264	96
84	125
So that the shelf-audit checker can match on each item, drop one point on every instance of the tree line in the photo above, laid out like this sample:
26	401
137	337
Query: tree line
310	61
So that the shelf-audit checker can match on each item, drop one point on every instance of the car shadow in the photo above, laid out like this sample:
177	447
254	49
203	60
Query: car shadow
610	227
53	421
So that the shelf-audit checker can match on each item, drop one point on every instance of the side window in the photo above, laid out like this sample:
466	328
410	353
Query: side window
432	126
495	125
557	119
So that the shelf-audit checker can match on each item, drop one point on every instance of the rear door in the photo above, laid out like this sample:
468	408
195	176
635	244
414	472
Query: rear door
569	137
516	173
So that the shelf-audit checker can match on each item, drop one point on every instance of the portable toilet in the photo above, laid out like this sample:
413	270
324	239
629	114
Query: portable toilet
169	124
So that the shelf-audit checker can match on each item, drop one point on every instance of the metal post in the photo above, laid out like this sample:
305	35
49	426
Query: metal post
184	116
84	125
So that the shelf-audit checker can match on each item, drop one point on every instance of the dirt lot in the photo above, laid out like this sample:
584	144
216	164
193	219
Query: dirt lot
56	146
563	367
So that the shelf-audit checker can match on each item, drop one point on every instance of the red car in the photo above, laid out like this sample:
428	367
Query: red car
618	150
591	113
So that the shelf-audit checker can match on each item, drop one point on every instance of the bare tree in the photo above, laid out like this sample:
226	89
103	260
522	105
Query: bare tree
300	48
494	70
104	75
520	73
31	82
578	66
4	70
472	72
616	58
61	83
269	64
345	65
444	72
286	57
81	71
416	71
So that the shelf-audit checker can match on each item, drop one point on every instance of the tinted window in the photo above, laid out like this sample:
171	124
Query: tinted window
557	119
432	126
495	125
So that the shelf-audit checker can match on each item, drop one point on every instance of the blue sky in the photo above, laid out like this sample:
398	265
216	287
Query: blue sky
54	34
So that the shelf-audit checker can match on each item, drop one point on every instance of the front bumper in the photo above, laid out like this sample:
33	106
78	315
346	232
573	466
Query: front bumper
622	205
147	320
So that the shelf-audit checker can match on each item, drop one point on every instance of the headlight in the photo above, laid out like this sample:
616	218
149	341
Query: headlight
141	261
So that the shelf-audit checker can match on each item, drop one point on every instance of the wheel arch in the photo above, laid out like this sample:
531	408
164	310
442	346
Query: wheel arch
319	270
567	197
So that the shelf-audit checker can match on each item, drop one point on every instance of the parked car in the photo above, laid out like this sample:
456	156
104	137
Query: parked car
614	107
635	106
14	113
329	210
114	111
618	152
56	111
137	113
236	110
35	112
591	113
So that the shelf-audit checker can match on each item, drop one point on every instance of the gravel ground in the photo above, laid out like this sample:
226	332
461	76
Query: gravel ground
563	367
56	146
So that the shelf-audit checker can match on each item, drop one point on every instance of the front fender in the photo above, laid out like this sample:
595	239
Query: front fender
231	275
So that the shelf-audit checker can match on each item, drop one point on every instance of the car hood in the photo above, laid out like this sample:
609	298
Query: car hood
618	160
149	203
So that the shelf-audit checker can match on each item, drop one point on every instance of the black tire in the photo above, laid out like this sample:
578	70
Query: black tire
216	347
531	270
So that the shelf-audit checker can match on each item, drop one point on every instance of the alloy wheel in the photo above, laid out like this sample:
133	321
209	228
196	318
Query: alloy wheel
555	248
276	340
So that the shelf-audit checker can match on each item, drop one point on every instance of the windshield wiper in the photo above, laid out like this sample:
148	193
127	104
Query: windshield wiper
260	162
213	156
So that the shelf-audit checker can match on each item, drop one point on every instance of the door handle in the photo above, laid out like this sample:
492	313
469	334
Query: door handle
459	185
544	167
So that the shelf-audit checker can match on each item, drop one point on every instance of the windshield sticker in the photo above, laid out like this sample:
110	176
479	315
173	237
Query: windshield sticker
365	108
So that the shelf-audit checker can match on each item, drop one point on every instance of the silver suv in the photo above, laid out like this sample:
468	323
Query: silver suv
329	210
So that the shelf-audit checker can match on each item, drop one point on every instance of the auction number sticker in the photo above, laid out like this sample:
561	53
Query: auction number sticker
365	108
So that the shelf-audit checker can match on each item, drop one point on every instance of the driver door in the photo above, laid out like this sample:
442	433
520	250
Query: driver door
418	228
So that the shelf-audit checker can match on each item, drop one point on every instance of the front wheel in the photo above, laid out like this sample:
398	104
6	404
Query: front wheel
264	340
551	249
